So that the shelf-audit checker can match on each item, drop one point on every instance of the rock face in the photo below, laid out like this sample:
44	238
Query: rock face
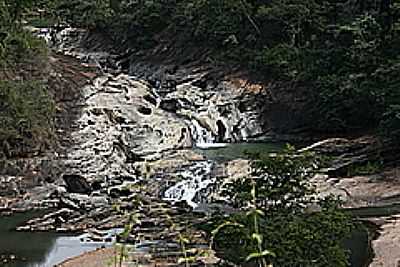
387	246
123	136
346	158
216	111
118	128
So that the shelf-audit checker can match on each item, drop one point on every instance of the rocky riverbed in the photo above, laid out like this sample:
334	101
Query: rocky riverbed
125	146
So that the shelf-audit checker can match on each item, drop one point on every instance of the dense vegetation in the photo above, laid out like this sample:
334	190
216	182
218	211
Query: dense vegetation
344	52
280	221
25	106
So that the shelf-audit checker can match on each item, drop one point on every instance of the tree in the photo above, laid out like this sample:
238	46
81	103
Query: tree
281	214
16	8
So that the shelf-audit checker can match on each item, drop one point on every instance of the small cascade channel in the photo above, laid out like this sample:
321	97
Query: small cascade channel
195	179
200	135
198	176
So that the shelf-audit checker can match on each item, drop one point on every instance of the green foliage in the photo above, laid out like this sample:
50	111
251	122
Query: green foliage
391	122
16	44
295	240
135	21
216	21
20	46
26	112
26	108
11	11
281	180
282	223
89	14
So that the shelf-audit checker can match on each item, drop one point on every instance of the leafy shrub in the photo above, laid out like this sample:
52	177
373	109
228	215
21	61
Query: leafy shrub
390	123
216	21
26	113
279	212
26	108
20	46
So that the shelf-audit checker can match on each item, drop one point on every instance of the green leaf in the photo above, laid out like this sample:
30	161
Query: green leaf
254	255
257	255
268	253
184	240
257	237
225	224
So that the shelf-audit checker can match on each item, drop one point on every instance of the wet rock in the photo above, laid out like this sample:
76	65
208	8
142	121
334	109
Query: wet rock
170	105
68	203
77	184
230	110
117	192
125	132
151	99
144	110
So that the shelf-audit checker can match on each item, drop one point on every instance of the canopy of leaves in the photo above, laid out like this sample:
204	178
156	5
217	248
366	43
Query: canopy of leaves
26	115
26	108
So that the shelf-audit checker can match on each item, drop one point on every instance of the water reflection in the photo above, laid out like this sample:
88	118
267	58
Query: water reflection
37	249
237	150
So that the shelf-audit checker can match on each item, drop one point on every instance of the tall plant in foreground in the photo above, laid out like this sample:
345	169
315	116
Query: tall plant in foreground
282	222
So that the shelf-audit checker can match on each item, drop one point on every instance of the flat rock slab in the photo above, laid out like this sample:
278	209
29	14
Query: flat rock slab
364	190
97	258
387	246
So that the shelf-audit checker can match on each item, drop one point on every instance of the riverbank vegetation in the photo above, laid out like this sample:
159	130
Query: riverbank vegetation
343	52
26	108
280	220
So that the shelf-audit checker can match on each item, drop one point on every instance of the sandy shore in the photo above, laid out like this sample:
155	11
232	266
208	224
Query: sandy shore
98	258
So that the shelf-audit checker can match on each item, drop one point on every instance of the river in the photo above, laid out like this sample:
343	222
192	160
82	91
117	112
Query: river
27	249
48	249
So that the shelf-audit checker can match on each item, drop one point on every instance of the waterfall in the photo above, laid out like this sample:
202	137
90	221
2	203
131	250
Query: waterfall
196	178
200	134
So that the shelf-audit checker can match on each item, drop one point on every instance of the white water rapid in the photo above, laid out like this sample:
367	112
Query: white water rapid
195	178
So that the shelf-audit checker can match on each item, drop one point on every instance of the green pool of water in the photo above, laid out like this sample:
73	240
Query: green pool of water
35	249
234	151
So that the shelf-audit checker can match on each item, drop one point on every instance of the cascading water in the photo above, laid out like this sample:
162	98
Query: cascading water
200	135
195	178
